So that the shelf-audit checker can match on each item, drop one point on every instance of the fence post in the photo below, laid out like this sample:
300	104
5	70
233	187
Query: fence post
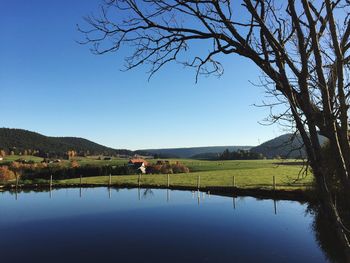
198	181
110	180
17	179
274	182
50	181
168	180
139	180
80	179
234	181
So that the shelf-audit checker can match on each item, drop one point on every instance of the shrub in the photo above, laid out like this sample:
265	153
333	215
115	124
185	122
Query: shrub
180	168
6	174
74	164
166	168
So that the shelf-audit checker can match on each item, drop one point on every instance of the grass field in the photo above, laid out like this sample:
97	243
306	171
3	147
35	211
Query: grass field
12	158
248	174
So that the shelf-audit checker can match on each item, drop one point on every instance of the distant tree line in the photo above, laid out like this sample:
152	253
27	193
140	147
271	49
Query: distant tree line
240	155
38	171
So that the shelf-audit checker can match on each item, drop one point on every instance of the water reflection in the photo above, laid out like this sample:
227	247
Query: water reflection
325	237
275	206
200	225
147	193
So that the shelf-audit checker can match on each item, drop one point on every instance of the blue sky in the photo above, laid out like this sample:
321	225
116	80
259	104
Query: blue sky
52	85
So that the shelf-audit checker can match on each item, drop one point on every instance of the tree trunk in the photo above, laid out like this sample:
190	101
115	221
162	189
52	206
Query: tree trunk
345	146
342	168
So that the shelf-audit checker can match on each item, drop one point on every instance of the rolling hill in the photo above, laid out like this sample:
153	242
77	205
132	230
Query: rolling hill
193	151
286	146
20	140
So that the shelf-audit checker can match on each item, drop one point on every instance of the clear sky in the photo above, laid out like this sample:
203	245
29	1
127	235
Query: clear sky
54	86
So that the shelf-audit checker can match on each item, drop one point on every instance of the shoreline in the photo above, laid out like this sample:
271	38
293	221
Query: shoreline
291	195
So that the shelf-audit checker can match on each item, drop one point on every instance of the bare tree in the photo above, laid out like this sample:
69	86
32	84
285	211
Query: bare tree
301	47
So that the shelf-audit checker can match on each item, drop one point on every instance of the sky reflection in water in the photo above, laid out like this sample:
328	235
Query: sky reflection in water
139	225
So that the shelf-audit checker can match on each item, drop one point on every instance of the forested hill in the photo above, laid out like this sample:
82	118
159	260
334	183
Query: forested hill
193	152
19	140
286	146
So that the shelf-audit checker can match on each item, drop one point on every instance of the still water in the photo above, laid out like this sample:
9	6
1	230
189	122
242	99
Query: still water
149	225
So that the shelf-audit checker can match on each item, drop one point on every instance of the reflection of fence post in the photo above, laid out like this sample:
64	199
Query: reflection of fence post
198	181
274	182
234	181
168	180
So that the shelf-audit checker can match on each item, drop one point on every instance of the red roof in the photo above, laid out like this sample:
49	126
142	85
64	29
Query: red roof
138	160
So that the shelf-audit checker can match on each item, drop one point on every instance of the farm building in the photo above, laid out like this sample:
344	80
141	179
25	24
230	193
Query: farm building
138	164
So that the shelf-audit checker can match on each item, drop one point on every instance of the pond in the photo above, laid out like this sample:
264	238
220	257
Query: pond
152	225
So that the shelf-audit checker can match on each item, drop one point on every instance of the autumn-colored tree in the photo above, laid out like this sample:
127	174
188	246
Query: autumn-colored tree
6	174
179	168
16	168
166	169
35	166
71	154
74	164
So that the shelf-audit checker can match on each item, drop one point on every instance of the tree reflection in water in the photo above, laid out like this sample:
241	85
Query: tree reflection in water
325	236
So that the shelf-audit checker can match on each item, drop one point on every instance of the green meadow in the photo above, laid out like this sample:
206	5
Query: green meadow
246	174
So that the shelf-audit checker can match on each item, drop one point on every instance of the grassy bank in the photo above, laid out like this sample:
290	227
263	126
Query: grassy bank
248	174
